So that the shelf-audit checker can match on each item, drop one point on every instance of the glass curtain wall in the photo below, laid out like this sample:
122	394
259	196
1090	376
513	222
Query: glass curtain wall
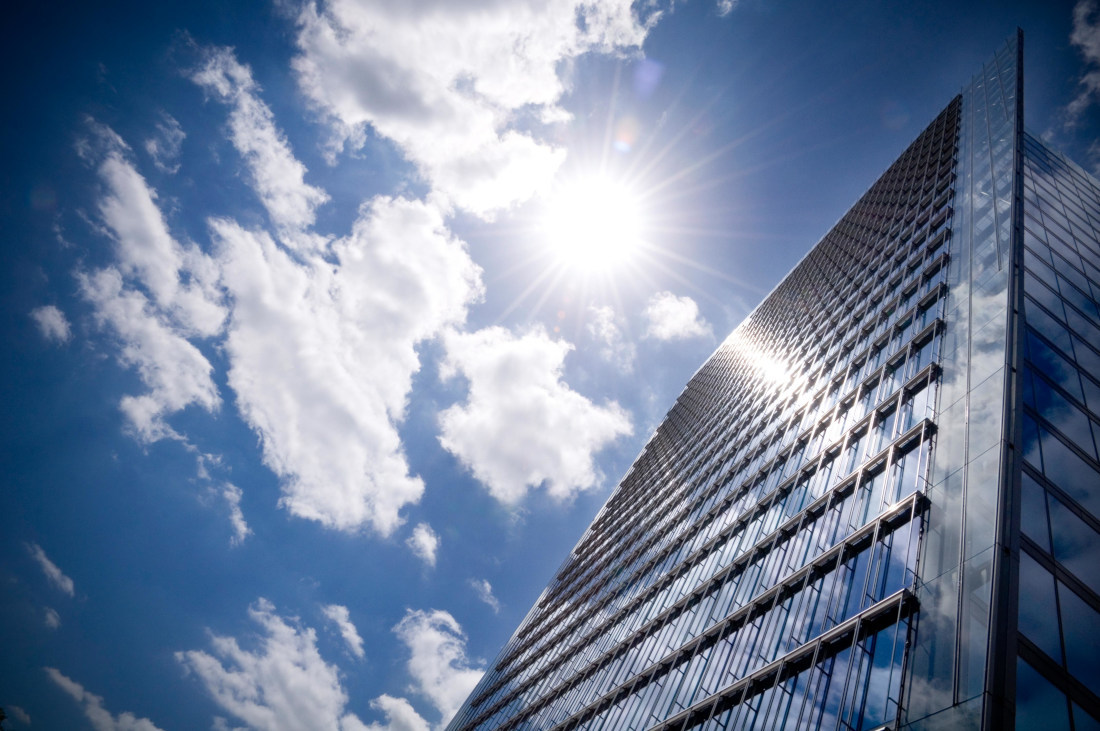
756	566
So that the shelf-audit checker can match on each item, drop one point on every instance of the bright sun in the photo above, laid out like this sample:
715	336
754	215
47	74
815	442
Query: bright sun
593	223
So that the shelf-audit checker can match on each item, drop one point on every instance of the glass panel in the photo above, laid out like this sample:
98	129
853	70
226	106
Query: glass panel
1033	512
1083	721
1063	415
1080	628
1076	544
1038	609
1039	705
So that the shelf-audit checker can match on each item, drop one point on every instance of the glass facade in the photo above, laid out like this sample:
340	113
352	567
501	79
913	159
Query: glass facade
876	504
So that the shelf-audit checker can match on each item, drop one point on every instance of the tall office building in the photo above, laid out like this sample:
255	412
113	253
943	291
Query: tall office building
877	504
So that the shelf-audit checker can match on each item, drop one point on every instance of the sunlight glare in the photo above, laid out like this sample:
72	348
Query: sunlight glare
593	223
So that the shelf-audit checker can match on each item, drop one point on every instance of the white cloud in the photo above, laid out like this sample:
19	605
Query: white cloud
283	684
450	81
164	147
52	618
158	294
52	323
669	317
438	664
19	715
603	327
173	370
725	7
322	353
424	543
521	425
400	716
56	576
181	281
340	616
232	495
221	724
275	174
1086	37
485	593
100	718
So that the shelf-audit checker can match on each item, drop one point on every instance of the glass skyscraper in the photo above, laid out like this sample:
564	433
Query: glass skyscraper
877	505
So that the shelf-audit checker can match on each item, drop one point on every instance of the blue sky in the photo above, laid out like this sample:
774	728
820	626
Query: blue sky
311	385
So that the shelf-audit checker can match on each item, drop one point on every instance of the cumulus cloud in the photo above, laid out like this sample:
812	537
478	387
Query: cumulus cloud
173	370
339	615
448	82
669	317
283	684
164	146
232	495
440	670
521	426
603	327
275	174
424	543
52	324
55	575
327	393
484	592
52	618
100	718
1086	37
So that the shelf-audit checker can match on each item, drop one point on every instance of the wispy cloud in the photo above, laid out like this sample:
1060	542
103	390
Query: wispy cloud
155	296
52	323
669	317
19	714
55	575
180	280
400	716
276	175
52	618
164	147
1086	37
232	495
424	543
284	685
451	83
603	327
92	704
174	371
438	664
521	426
339	615
484	592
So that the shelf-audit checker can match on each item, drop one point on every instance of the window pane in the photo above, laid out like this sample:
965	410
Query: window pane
1039	705
1076	544
1083	721
1033	512
1064	468
1038	612
1081	627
